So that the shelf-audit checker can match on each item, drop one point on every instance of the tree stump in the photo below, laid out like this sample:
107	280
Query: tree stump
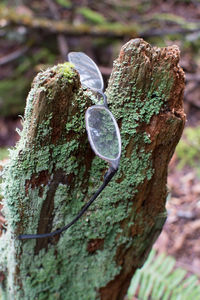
53	172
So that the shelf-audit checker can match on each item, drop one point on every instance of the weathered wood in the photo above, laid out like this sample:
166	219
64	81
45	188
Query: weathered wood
53	172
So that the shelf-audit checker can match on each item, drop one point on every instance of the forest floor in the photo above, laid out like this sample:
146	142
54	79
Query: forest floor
181	233
180	236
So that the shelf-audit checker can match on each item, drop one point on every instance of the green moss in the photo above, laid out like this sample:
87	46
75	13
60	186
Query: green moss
67	70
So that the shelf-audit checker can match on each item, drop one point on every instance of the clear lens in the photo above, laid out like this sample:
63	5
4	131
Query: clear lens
103	133
90	74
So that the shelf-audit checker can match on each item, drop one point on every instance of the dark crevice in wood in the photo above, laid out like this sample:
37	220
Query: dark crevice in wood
46	215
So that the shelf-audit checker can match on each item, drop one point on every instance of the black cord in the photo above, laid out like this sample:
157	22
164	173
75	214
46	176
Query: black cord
108	176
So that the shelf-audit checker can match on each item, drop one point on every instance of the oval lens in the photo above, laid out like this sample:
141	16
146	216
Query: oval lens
90	74
103	133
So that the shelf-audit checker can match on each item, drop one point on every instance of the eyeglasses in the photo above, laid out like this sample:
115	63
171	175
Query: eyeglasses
102	129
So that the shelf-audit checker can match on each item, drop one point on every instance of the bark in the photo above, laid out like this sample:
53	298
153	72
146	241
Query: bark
53	172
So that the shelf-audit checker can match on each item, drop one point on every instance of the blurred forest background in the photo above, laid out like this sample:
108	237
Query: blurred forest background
37	34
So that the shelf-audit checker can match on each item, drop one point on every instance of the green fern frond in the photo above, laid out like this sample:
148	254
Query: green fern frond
158	279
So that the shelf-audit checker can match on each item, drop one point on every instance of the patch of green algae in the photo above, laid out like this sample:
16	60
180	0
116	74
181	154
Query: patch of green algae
67	270
67	71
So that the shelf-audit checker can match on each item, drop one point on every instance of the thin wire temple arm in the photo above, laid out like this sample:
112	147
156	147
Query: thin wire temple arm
108	176
104	98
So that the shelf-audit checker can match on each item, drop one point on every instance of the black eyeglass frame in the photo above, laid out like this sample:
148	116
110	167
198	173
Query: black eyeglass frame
114	164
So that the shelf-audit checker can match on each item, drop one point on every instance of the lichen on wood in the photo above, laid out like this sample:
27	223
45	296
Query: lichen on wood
53	172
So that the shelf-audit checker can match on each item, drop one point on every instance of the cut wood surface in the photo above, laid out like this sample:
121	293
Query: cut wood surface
53	172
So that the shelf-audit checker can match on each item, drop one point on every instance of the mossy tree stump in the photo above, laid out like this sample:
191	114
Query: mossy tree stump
53	172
